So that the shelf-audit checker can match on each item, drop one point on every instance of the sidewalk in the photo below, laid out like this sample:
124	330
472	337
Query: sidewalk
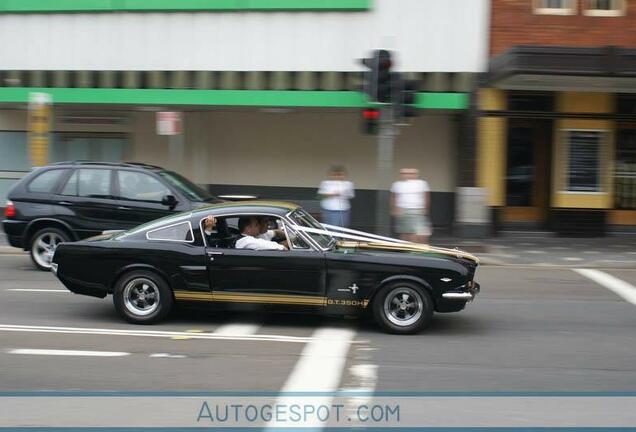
539	249
525	249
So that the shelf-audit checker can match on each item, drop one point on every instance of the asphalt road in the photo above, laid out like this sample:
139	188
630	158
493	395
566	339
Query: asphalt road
531	329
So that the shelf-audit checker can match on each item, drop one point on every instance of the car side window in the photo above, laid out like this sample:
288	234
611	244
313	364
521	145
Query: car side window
295	241
140	187
70	188
88	182
180	232
46	181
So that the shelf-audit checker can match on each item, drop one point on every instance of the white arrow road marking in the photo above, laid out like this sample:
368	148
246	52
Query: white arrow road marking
154	333
614	284
318	369
39	290
55	352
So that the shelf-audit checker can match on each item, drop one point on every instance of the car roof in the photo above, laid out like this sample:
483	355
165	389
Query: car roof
247	207
139	165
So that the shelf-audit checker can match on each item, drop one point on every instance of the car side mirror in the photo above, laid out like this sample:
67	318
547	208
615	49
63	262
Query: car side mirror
169	201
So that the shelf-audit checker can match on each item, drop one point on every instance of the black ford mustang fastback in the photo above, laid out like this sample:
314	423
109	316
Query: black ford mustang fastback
149	268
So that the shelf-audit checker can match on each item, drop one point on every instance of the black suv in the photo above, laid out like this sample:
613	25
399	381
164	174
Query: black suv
70	201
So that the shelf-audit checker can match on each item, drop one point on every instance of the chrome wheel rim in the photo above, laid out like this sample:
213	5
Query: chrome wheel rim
44	248
141	296
403	306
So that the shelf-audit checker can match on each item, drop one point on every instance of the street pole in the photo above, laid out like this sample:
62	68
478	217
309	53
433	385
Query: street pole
386	136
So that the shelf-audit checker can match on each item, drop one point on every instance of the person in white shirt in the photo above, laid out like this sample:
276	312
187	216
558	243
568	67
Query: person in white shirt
410	199
336	193
265	233
250	229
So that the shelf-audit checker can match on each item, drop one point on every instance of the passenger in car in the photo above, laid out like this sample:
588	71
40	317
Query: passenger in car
265	233
250	228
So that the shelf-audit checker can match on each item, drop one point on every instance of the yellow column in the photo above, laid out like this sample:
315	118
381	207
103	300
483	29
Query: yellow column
575	102
491	146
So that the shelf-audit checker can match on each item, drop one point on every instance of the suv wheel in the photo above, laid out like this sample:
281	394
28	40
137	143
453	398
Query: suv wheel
43	244
403	308
142	297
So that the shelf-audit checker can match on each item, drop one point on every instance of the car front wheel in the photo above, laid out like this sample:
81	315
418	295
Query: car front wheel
142	297
43	244
403	308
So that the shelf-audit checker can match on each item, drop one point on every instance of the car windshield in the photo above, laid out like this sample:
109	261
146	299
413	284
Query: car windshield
304	219
185	186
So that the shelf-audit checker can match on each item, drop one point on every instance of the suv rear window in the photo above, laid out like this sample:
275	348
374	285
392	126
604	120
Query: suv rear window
46	182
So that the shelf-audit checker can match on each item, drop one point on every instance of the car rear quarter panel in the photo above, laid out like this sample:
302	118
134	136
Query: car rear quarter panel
99	264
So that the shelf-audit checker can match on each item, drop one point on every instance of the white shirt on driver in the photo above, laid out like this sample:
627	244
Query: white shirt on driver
249	242
267	235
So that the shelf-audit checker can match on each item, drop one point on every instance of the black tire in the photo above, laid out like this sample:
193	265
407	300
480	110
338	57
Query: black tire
40	255
420	315
132	310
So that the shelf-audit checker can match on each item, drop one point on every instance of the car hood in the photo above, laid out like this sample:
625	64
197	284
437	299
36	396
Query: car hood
407	248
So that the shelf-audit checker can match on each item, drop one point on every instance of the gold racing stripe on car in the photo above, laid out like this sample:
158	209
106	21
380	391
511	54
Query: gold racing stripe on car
250	298
266	299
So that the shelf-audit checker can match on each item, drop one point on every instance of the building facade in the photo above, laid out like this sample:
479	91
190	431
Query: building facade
269	89
556	141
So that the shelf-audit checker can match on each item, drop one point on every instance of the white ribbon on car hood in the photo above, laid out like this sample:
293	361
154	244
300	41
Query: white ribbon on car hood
373	241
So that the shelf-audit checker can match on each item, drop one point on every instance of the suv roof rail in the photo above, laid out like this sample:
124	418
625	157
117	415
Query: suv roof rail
92	162
143	164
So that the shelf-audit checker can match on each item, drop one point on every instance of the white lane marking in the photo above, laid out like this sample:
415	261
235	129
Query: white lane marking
167	355
572	259
365	377
38	290
318	369
56	352
614	284
151	333
237	329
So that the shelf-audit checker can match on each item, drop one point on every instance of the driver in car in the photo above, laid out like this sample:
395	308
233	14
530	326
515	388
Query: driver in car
250	229
268	234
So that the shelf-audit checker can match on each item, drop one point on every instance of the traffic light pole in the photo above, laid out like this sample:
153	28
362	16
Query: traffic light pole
386	136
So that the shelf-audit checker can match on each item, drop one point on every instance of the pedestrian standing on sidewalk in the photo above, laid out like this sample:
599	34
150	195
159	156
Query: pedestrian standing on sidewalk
335	194
410	198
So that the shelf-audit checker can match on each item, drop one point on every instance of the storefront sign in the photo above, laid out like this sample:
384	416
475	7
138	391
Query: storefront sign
168	123
39	123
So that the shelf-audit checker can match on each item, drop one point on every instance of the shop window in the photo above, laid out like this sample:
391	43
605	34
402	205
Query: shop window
555	7
604	7
530	102
96	148
625	170
13	148
583	172
520	167
626	104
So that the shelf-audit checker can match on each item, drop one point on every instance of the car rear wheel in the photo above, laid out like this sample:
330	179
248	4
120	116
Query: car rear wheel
403	308
142	297
43	244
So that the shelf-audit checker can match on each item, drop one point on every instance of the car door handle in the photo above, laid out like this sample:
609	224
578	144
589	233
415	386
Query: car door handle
123	208
66	203
213	254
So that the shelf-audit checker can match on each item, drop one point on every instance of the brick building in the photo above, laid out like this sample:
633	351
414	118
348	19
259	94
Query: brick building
556	129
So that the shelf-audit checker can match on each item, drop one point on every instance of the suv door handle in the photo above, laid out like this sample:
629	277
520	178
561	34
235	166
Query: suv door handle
123	208
65	203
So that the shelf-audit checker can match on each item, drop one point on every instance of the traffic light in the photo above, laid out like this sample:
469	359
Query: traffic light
404	97
377	81
370	119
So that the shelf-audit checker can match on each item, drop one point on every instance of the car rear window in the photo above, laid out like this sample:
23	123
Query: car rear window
181	231
46	182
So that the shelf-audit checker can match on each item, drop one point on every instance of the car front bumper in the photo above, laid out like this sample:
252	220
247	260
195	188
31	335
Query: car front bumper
468	295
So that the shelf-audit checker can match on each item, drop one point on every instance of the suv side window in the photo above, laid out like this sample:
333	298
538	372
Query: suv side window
46	181
140	186
89	182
